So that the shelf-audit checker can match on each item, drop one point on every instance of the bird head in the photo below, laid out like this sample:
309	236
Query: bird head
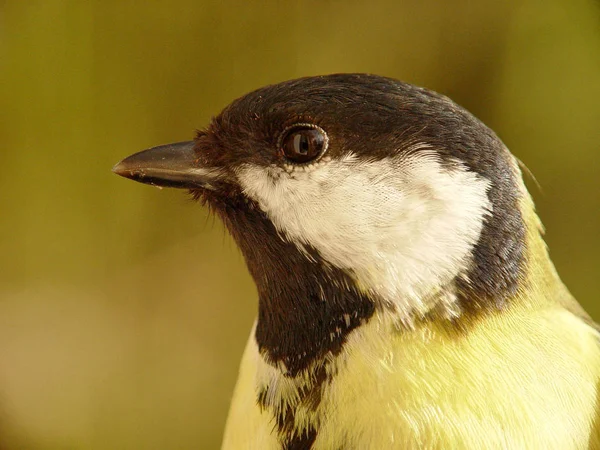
352	193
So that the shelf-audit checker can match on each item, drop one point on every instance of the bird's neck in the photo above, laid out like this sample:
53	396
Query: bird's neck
306	311
540	285
308	308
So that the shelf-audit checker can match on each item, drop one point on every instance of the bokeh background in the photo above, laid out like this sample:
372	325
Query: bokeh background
124	309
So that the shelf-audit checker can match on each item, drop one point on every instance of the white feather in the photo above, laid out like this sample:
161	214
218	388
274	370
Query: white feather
401	226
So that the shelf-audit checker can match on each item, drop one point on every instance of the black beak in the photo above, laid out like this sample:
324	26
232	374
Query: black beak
172	165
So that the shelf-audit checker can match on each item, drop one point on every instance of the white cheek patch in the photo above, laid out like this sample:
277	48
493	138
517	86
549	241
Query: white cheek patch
403	227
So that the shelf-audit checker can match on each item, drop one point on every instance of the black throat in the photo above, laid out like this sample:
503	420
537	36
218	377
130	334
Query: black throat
306	307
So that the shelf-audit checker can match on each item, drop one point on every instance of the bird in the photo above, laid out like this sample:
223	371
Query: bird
406	297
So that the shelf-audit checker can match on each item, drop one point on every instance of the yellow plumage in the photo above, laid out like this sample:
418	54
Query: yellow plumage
521	378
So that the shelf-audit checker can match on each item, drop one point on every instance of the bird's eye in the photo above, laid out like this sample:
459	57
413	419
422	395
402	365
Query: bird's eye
303	143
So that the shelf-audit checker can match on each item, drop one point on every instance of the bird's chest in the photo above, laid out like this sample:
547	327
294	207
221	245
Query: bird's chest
387	390
518	383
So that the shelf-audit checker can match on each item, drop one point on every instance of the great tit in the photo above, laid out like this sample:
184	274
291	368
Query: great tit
406	297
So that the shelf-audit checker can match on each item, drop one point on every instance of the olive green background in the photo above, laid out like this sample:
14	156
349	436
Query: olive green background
124	309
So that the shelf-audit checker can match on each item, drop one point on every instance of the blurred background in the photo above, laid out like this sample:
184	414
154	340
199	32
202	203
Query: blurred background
124	309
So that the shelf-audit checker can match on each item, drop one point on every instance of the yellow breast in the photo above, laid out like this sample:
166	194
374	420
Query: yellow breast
522	379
